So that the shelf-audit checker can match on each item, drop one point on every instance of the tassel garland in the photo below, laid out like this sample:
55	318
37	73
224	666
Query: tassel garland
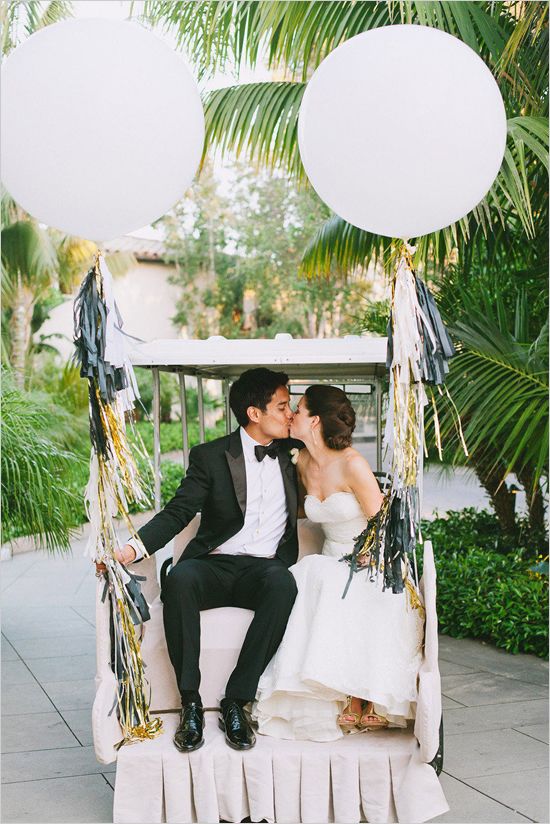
114	484
419	349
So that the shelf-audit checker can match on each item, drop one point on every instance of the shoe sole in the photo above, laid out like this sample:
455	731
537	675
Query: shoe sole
221	725
188	749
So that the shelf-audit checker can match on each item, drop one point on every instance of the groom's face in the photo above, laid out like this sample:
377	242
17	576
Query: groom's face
275	421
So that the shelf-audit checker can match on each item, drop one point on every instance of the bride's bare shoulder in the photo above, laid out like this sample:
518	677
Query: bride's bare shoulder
353	456
355	462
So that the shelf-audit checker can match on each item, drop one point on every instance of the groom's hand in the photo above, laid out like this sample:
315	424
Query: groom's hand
125	556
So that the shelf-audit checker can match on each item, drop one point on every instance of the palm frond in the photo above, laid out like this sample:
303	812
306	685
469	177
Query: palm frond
29	16
345	246
27	253
501	388
222	34
524	59
259	120
299	35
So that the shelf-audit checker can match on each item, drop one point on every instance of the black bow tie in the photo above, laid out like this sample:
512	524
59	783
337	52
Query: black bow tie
262	451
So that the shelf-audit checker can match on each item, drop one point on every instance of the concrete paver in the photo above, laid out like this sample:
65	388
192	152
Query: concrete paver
86	798
495	709
519	790
482	657
46	731
517	715
538	731
479	688
79	723
71	695
469	806
20	699
474	754
52	763
66	668
56	647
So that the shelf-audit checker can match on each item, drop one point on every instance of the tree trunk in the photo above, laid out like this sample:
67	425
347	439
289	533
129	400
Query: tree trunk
535	501
20	326
312	323
490	475
322	325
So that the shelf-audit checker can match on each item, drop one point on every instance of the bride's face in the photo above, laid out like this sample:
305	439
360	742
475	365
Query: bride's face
301	422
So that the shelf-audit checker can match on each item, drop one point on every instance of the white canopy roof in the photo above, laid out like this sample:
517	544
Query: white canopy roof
348	358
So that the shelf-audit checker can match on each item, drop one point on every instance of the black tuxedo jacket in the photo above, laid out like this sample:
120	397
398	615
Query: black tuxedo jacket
215	486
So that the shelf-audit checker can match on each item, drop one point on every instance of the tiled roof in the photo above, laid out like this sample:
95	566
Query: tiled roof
142	248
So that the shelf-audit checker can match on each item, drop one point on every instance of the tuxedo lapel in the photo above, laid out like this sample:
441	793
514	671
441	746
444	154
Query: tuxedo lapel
289	480
235	462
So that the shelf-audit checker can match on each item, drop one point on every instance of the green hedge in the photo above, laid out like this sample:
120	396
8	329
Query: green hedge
487	592
171	436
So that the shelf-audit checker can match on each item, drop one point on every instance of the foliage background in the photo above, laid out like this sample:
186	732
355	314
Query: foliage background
267	257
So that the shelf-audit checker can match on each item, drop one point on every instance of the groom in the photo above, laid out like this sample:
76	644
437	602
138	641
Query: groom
244	485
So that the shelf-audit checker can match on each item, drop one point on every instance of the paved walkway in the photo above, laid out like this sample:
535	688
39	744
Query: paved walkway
495	705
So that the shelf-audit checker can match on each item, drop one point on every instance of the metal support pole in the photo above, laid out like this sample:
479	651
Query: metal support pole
226	386
184	428
200	400
378	425
156	436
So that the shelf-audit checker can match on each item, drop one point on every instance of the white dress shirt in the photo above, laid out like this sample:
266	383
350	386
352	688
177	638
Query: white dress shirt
266	509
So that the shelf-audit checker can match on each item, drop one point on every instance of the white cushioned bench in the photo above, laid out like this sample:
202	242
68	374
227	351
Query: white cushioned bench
383	776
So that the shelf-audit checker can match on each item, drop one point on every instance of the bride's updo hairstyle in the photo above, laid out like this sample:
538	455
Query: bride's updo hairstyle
335	411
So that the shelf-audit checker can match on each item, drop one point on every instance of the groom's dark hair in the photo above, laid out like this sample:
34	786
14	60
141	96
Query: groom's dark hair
255	387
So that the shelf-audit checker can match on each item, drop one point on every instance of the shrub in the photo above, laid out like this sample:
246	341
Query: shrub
169	395
486	588
484	594
170	434
468	528
37	467
171	473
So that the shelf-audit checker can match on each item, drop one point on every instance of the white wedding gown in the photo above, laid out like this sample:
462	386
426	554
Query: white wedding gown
368	644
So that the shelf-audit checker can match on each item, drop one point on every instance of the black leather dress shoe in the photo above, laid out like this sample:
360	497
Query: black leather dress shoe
189	734
238	732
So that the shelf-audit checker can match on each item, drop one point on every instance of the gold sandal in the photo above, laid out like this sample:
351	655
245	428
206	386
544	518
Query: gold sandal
376	721
347	717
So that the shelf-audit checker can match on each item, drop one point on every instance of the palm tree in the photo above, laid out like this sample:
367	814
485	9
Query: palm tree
499	381
35	260
261	118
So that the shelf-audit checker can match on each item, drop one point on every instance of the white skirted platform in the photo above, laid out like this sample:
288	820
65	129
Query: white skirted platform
375	777
381	776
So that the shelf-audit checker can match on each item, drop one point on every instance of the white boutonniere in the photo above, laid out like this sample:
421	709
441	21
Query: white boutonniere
294	455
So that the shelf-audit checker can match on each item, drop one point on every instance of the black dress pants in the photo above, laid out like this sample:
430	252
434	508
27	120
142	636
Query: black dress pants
263	585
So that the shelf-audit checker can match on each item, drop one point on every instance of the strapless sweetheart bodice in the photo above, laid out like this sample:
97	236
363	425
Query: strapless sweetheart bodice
341	519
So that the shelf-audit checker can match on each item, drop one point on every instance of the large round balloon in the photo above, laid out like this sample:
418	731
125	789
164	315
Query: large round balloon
102	127
402	130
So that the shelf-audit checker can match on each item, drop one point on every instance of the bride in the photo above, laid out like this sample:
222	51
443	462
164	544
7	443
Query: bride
343	664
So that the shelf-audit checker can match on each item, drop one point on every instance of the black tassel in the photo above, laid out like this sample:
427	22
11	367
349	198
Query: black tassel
435	364
90	324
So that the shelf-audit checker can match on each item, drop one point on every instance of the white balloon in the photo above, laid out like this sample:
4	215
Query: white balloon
402	130
102	127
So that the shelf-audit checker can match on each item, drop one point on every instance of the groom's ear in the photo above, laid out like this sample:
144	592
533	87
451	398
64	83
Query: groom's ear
253	414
